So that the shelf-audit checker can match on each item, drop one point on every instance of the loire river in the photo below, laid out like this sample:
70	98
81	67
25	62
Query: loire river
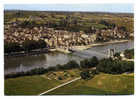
25	63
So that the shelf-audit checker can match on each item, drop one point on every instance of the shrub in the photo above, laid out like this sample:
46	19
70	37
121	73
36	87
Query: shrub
51	68
129	53
84	63
30	45
58	67
85	74
42	44
93	61
37	71
88	63
117	55
12	47
72	64
60	78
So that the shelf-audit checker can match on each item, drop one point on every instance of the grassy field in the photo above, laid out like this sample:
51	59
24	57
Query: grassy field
29	85
34	85
102	84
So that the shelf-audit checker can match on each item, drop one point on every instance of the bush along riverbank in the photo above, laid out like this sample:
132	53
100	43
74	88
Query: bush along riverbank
109	66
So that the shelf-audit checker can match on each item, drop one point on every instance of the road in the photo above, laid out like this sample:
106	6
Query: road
59	86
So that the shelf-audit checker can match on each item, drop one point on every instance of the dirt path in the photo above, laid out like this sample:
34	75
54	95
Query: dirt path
60	86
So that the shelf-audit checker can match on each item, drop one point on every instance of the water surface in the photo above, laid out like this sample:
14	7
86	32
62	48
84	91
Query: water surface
25	63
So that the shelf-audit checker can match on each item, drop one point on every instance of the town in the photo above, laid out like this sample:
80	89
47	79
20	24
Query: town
61	38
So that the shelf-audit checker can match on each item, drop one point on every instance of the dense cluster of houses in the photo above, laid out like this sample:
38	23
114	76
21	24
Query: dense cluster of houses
59	38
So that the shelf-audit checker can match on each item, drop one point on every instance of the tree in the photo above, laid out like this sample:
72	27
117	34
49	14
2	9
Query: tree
42	44
84	63
88	63
72	64
129	53
12	47
93	61
86	75
117	55
30	45
115	66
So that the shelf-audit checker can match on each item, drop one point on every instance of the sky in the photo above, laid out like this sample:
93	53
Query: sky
123	8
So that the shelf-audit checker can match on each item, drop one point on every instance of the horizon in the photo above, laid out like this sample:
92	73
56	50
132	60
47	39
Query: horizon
109	8
74	11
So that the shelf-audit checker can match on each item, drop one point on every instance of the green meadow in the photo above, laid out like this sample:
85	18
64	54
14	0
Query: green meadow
101	84
28	85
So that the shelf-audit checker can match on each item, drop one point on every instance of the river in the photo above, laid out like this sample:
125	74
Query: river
25	63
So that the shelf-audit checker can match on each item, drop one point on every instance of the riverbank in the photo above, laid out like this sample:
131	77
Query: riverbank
60	50
99	44
84	47
23	53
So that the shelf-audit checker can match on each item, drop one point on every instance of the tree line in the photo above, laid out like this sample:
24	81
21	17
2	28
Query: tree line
27	45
